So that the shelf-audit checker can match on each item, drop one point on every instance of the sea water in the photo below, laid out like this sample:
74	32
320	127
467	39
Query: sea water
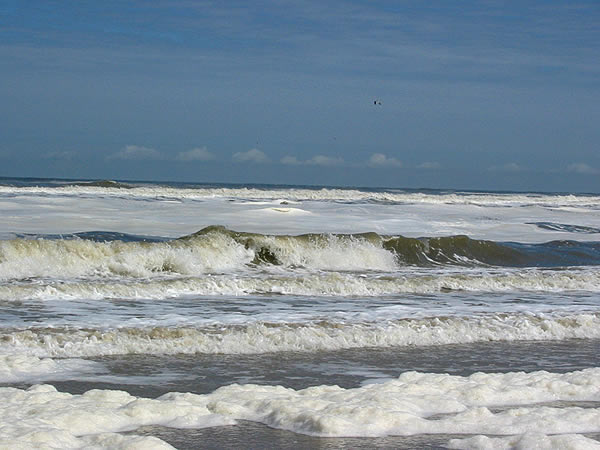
144	315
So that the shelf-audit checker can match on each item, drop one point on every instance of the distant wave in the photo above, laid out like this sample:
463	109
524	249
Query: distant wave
351	195
102	184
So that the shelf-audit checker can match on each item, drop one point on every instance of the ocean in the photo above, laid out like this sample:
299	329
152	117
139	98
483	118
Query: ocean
159	315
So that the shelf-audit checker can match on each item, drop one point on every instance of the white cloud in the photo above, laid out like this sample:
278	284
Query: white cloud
137	152
429	165
253	155
196	154
322	160
380	160
509	167
583	169
290	161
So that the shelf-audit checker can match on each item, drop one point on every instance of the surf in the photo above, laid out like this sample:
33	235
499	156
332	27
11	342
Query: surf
216	249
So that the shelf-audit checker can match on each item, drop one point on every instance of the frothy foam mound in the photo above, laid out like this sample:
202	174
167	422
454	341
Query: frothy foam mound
527	441
415	403
267	337
43	417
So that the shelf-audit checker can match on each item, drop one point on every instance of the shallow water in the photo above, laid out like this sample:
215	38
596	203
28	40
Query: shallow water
154	375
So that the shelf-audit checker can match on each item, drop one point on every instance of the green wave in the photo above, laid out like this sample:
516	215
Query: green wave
425	251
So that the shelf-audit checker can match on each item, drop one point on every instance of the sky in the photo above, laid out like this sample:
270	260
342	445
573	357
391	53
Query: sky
495	95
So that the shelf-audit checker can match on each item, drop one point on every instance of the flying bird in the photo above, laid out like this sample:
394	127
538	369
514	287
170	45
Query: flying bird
377	102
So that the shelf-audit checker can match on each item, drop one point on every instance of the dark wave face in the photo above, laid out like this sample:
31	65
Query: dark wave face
463	250
102	184
95	236
564	227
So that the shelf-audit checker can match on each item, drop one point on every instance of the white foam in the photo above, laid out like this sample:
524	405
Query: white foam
290	211
416	403
21	368
114	441
264	337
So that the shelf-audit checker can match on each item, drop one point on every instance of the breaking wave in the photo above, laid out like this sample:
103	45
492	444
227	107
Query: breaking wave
307	337
216	249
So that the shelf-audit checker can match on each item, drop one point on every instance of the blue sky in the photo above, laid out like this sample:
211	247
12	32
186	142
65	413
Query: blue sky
474	94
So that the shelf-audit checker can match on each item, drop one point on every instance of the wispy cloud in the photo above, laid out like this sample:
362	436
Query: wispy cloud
429	165
136	152
381	160
253	155
290	161
583	168
322	160
508	167
196	154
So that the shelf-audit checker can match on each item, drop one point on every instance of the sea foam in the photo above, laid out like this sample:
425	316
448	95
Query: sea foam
299	283
24	368
513	403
